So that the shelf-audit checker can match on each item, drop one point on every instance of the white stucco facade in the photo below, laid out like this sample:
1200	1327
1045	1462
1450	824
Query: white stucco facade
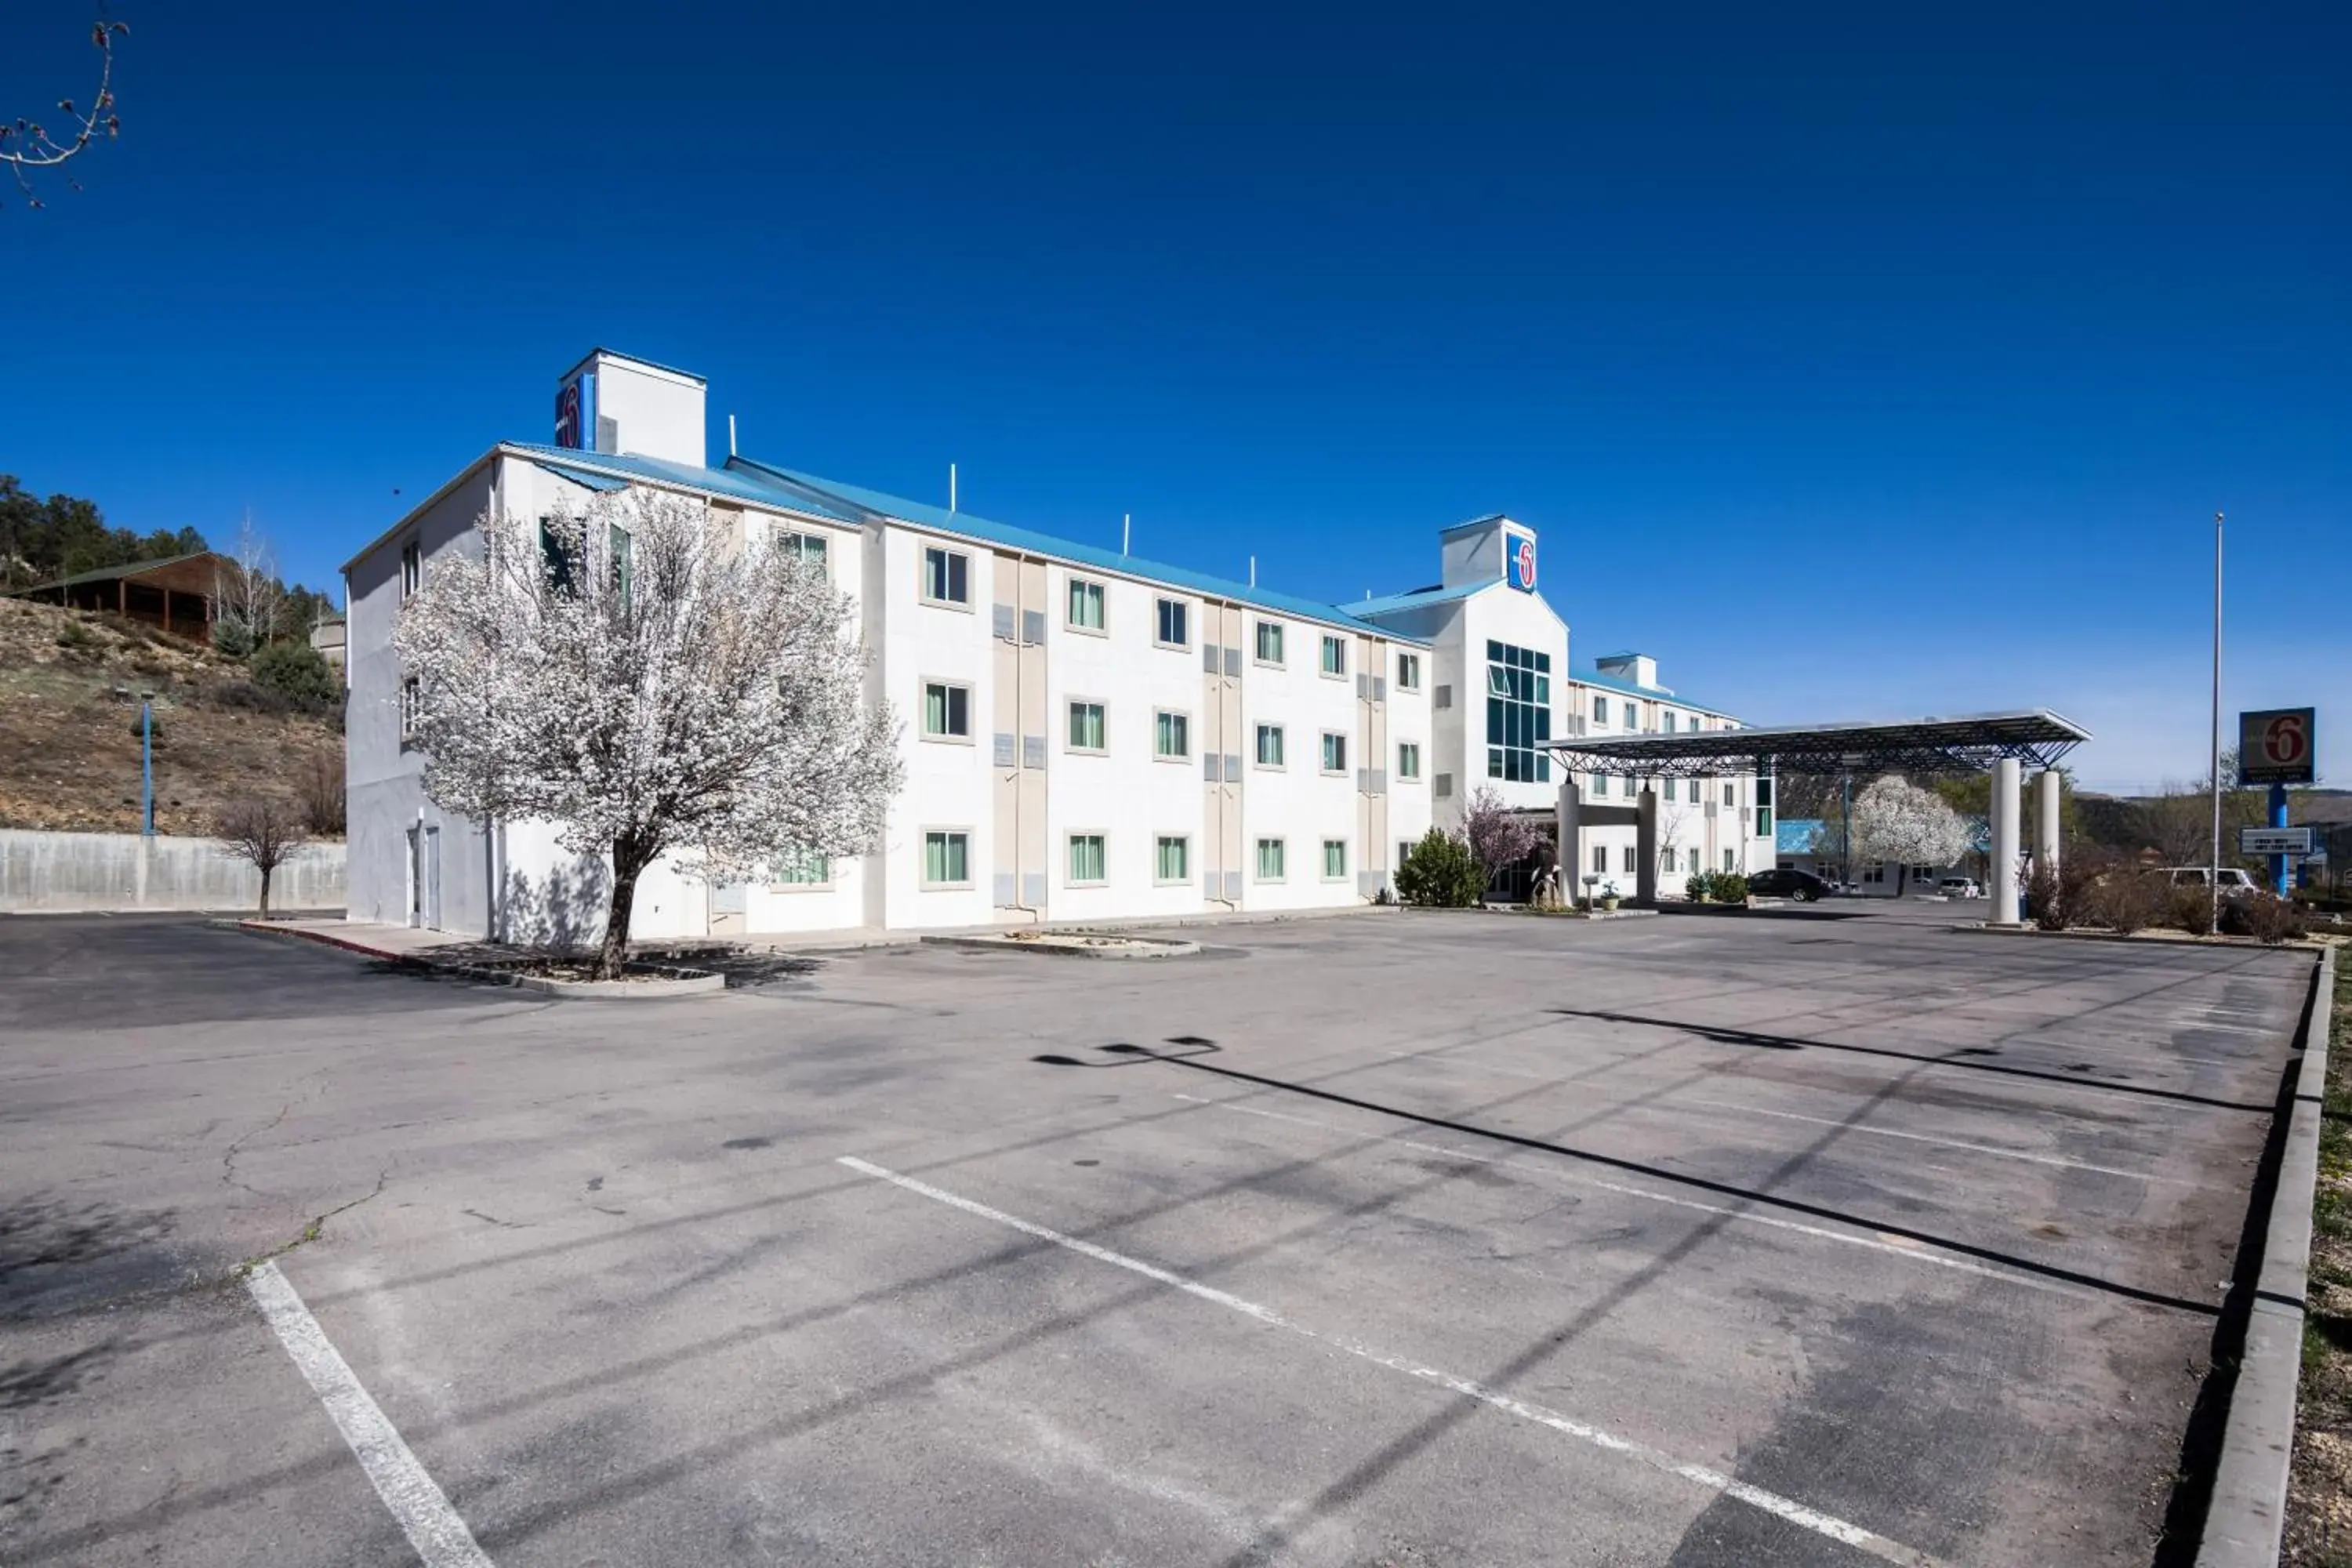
1136	740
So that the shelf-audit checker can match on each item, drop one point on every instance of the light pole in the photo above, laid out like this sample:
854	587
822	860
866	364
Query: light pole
2213	871
147	763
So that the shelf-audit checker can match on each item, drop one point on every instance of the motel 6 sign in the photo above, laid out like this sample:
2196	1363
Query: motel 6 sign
2275	746
1522	549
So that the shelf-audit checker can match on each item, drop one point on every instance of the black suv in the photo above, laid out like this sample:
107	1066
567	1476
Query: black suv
1788	882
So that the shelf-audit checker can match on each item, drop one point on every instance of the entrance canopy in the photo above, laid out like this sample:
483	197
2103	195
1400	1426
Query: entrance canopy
2036	738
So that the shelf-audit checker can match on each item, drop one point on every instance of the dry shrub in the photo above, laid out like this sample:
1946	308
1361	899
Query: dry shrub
2268	918
319	785
2193	910
2045	895
2126	899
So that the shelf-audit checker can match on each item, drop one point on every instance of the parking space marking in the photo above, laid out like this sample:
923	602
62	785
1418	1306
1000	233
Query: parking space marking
1911	1251
1713	1480
417	1503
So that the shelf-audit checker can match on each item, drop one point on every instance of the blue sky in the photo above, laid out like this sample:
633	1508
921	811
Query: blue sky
1854	364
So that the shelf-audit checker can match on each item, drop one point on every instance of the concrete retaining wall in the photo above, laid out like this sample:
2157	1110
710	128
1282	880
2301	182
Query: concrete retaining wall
65	872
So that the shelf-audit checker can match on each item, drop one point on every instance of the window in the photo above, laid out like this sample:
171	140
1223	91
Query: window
1694	862
1632	859
559	552
1174	631
1270	853
1600	786
947	712
1407	760
1730	795
1269	746
412	697
1087	606
1670	789
1171	736
1087	860
412	570
1269	642
1625	786
1335	657
1335	753
1730	862
1335	859
947	578
1518	713
1873	872
622	551
1172	858
1670	721
1408	672
802	868
946	860
808	548
1404	852
1085	726
1601	858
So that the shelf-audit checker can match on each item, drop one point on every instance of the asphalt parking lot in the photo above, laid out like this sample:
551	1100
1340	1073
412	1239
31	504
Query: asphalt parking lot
1400	1239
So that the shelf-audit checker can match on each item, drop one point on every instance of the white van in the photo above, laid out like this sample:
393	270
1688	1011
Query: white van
2233	879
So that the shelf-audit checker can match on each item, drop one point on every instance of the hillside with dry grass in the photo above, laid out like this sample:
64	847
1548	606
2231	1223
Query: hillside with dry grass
69	688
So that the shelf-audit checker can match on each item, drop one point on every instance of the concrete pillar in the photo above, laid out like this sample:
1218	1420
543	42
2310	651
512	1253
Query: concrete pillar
2046	801
1571	838
1645	846
2005	825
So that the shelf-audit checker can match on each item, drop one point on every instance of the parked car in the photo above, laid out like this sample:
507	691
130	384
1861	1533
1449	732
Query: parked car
2235	883
1959	887
1788	882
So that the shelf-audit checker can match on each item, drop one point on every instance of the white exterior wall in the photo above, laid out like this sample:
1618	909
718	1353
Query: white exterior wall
654	411
1504	615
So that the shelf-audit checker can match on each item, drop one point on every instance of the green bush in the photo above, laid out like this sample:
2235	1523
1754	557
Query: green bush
1441	873
295	669
232	637
1700	888
1730	888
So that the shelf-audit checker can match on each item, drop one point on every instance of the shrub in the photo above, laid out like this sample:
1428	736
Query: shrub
295	669
1441	873
2269	918
1730	888
74	634
2045	895
232	637
2127	899
1700	888
319	785
2193	910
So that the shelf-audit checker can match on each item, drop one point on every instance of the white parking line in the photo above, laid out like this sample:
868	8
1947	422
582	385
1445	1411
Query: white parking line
417	1503
1713	1480
1903	1247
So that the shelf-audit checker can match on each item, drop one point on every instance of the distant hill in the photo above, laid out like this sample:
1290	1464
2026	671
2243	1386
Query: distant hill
69	686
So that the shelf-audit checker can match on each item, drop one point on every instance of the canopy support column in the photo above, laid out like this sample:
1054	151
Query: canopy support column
2046	802
2005	824
1645	846
1571	838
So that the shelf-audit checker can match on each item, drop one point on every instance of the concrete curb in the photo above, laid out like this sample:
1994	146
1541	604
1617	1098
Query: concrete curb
1153	948
2247	1513
2302	944
650	987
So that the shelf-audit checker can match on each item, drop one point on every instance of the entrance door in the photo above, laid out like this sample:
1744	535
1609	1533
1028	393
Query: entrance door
729	902
433	878
416	876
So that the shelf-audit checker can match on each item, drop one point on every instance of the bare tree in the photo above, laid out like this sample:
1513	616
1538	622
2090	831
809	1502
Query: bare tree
320	786
1673	816
1499	836
262	832
249	603
26	145
633	677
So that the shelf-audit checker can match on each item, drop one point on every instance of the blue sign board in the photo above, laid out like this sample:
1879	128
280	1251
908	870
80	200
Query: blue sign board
1519	549
575	413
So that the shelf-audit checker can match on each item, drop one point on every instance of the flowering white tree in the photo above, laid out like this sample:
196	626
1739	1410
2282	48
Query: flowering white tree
639	678
1499	836
1898	821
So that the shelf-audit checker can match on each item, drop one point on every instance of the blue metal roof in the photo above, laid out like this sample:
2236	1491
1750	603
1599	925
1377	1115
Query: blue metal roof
1437	593
733	485
878	503
601	483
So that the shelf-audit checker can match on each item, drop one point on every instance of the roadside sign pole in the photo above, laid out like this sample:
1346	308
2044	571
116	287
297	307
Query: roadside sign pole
2281	865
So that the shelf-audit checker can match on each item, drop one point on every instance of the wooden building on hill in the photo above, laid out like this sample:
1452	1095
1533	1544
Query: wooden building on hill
176	593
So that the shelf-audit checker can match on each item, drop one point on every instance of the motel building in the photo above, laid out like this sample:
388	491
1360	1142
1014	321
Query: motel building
1087	735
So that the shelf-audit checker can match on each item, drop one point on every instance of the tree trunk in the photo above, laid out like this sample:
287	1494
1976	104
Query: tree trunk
265	893
628	864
